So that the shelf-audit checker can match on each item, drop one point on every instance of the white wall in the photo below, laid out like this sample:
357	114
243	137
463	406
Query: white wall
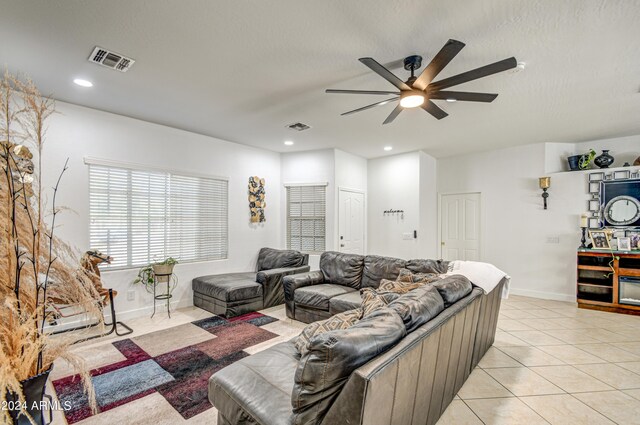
394	183
428	233
77	132
517	233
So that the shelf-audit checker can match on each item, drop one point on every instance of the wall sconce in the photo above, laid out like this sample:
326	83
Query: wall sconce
545	183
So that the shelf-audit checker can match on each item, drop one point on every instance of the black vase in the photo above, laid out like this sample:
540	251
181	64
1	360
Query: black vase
604	160
33	389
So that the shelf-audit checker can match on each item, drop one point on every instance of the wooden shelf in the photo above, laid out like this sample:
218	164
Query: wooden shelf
605	296
596	268
596	285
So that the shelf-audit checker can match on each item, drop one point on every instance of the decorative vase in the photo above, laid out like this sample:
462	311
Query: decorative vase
573	162
604	160
162	272
33	390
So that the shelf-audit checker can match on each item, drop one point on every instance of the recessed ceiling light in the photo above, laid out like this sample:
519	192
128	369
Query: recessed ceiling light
288	142
388	148
451	100
83	83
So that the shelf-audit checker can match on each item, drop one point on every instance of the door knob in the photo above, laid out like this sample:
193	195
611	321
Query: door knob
441	243
341	245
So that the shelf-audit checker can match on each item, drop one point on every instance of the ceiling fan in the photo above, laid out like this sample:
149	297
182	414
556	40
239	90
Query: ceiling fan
421	90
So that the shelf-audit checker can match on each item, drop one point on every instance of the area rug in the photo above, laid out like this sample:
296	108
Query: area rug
175	363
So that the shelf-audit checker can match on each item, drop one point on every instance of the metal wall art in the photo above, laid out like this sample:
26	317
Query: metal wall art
257	202
595	181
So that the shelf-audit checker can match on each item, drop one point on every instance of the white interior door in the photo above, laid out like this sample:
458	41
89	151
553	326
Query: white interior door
460	226
351	222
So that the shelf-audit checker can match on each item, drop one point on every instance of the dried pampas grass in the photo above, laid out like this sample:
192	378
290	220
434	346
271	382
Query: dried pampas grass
36	268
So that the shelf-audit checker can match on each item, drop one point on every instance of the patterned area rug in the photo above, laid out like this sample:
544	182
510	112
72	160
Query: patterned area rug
175	363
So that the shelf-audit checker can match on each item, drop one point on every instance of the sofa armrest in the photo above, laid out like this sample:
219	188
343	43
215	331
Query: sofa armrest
272	285
293	282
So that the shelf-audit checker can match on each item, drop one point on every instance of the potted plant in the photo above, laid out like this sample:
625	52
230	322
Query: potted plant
158	272
35	266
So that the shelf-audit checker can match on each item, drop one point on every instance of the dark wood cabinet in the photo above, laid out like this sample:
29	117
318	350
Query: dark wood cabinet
609	280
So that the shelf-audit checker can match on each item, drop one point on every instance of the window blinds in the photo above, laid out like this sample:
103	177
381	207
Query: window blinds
139	217
306	211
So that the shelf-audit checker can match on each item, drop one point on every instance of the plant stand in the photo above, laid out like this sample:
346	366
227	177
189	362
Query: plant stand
165	296
113	326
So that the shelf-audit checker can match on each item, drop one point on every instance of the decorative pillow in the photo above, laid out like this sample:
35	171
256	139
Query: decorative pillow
343	320
399	287
333	356
372	300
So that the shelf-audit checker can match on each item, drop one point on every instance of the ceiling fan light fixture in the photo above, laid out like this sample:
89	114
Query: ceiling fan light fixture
412	100
451	100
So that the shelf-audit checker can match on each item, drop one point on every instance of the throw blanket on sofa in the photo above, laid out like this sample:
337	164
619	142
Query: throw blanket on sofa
484	275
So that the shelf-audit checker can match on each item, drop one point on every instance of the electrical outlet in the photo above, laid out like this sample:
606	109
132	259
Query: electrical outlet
553	239
131	295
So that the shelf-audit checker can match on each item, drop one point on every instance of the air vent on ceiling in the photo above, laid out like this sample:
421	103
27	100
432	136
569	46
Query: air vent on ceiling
110	59
298	126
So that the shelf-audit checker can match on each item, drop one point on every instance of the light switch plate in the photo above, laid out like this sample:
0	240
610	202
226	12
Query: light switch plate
553	239
131	295
407	236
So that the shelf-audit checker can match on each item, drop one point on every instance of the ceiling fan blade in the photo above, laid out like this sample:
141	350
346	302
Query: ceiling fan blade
384	102
392	116
474	74
360	91
464	96
434	109
437	64
384	73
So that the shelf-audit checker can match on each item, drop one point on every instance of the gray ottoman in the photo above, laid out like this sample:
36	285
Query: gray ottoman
229	294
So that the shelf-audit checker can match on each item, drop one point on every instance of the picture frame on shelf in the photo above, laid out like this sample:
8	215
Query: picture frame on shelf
624	244
599	239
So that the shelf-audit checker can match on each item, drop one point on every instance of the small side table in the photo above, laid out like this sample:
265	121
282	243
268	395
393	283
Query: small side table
164	296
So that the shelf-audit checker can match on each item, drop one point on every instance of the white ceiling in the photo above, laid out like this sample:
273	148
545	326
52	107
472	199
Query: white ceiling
242	70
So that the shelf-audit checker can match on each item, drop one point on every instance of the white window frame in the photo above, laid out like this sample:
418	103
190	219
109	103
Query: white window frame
222	214
313	218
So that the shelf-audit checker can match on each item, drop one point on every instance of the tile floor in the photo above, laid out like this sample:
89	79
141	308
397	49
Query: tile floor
553	363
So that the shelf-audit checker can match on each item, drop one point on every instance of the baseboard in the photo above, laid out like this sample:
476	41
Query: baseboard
543	295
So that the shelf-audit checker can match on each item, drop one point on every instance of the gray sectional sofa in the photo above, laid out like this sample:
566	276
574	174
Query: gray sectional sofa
401	365
233	294
335	287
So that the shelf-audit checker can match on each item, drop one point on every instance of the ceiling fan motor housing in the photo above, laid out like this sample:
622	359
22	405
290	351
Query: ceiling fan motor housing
411	63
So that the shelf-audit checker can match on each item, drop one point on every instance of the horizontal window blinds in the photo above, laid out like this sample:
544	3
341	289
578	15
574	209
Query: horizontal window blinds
306	212
139	217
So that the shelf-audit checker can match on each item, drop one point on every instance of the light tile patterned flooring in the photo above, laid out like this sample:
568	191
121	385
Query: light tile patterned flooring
553	363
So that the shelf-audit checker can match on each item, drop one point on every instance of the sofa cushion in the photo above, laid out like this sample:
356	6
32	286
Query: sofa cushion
258	387
345	302
342	269
318	296
427	266
228	287
452	288
377	268
333	356
418	306
343	320
270	258
407	275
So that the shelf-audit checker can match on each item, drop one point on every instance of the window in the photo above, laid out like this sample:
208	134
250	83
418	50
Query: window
139	216
306	211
